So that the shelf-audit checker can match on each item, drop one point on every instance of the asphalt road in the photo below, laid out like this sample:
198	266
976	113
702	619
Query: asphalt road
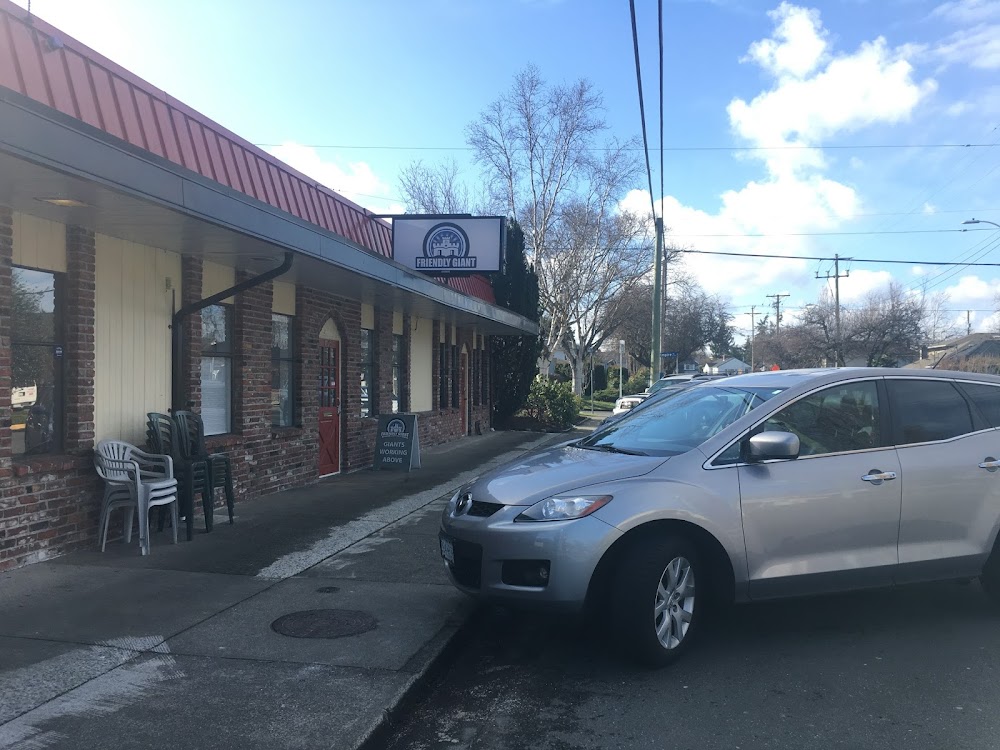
911	668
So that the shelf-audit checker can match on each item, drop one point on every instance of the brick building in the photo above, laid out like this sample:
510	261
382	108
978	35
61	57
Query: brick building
120	211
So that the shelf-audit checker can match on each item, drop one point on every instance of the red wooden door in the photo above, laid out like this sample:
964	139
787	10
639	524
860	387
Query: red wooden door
329	407
463	379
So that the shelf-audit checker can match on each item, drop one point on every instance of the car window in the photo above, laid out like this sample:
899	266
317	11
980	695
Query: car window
835	420
926	410
677	424
987	398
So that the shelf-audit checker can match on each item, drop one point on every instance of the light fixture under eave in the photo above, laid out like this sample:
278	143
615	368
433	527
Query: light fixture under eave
64	202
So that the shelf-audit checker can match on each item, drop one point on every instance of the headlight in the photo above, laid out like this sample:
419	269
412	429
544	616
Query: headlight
564	507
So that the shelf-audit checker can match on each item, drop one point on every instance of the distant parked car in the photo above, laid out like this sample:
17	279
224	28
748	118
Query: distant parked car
647	401
757	486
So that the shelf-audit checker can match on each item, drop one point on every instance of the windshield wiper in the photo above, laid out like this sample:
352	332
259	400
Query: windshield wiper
616	449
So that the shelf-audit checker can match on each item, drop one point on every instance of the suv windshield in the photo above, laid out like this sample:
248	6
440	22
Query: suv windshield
677	424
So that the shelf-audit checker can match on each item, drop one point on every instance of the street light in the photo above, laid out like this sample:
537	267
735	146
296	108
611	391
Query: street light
982	221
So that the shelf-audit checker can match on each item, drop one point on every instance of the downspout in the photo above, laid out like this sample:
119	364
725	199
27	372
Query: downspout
176	328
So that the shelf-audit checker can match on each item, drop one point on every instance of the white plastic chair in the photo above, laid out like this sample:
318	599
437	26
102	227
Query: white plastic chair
134	480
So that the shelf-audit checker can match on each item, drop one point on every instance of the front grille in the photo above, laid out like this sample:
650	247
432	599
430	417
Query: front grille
468	566
483	510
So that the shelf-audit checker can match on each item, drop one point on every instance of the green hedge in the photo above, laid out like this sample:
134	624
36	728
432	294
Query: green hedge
552	403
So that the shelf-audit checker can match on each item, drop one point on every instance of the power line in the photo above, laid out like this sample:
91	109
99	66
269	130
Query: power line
852	260
642	106
782	147
836	234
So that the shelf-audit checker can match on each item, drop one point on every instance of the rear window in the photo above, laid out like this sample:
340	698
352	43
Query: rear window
927	410
987	398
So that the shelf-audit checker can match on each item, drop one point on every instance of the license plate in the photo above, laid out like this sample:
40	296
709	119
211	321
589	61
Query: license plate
448	550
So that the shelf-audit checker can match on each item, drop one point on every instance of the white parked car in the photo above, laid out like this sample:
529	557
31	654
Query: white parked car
625	403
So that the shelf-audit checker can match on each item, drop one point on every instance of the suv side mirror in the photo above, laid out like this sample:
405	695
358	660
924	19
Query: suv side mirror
766	446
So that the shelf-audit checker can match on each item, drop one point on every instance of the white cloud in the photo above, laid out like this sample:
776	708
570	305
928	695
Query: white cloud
872	85
816	93
356	181
860	282
929	209
798	46
977	47
967	11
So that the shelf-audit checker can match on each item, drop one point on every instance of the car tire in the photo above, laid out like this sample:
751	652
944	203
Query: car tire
655	609
990	578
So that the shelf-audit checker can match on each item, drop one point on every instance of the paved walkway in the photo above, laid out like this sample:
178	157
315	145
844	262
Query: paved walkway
179	648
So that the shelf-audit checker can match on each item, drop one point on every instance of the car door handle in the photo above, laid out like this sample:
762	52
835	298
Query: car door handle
990	464
876	476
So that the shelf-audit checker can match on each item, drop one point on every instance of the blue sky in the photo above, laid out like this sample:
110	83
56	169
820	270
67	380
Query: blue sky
850	73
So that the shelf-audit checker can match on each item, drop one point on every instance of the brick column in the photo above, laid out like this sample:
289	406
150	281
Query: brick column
436	373
80	304
405	376
191	270
252	375
6	297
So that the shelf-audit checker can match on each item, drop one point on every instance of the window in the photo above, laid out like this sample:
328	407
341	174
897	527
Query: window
835	420
369	391
476	363
399	400
36	362
485	382
926	410
442	377
217	369
454	377
987	398
282	371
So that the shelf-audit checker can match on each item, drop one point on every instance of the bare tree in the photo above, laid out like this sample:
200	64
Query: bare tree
938	323
887	326
541	153
434	189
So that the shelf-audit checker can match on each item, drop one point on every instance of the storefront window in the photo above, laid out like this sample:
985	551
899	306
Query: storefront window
442	376
398	369
369	407
36	362
282	372
454	376
217	369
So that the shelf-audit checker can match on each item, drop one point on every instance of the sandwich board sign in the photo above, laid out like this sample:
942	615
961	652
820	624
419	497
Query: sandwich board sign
398	444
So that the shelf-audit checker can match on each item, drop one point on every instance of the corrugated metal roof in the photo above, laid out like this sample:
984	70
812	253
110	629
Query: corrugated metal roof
42	63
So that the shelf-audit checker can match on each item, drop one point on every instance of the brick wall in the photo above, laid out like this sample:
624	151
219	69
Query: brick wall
49	505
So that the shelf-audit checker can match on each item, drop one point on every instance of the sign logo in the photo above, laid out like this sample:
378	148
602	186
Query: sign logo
396	427
446	247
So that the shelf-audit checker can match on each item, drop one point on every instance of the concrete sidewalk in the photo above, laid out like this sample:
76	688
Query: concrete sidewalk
181	649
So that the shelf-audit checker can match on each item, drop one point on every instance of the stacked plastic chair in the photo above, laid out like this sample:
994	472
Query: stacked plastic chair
134	480
192	473
191	437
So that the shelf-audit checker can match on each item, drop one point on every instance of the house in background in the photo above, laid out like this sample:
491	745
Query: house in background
731	366
955	353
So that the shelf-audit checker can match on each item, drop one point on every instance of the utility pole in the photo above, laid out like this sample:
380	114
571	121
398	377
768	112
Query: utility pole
968	322
752	314
836	276
777	311
654	353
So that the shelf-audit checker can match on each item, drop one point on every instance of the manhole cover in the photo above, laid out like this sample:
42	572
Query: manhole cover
324	623
328	589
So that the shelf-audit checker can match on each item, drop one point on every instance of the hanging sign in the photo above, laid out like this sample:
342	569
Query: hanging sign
398	444
449	245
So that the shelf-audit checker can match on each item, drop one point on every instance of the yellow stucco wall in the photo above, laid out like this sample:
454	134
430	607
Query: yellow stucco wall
39	243
283	298
215	278
132	336
397	323
367	316
421	364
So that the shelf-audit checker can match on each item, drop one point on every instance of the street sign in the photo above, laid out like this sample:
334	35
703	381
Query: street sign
668	354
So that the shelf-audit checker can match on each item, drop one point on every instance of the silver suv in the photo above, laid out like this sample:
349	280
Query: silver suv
753	487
